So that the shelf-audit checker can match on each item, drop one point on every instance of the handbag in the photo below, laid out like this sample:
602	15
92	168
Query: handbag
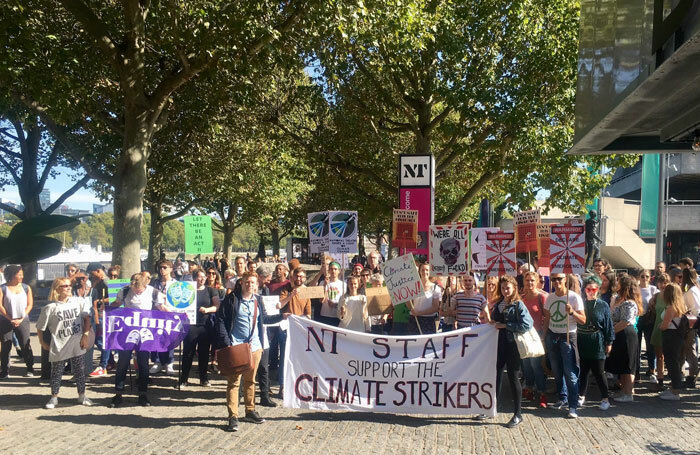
238	359
529	343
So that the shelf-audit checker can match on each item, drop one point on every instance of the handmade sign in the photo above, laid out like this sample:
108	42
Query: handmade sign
342	236
198	235
311	292
318	232
401	279
113	288
181	297
525	224
378	301
270	303
452	373
143	330
404	229
543	232
500	254
478	246
449	249
567	248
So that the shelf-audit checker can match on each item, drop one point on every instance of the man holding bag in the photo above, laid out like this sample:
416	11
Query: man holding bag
239	322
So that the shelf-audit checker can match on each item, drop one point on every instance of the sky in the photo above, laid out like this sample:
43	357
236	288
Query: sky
82	199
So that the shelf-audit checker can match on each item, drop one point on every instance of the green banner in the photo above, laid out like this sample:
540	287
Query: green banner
650	195
198	235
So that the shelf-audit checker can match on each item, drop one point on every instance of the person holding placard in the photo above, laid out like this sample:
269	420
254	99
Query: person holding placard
138	295
426	305
291	303
563	310
67	320
200	334
510	317
163	360
335	288
353	308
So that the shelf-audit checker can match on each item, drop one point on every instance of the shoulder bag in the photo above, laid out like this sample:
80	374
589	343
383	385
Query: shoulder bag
529	343
238	359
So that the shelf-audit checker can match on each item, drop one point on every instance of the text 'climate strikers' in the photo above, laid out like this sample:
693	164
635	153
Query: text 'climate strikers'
401	382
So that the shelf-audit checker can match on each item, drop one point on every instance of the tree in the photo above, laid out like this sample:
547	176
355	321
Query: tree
144	53
486	87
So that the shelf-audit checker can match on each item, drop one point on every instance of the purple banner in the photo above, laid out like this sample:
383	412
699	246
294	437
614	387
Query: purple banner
144	330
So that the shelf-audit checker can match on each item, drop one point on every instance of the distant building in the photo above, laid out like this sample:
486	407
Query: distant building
99	208
67	211
45	198
19	207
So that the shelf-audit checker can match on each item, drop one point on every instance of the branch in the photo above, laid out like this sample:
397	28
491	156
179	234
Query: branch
95	28
446	161
181	212
478	186
62	198
12	210
438	119
53	158
258	44
13	154
385	94
9	168
4	131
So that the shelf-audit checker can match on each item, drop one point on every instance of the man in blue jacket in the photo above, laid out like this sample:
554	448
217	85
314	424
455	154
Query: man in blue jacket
236	323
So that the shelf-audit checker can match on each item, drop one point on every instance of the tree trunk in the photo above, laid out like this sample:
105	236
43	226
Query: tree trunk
129	189
155	238
228	230
390	247
275	240
261	248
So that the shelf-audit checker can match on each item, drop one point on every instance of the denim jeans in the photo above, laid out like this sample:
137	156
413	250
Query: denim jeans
164	358
282	339
123	366
534	374
564	360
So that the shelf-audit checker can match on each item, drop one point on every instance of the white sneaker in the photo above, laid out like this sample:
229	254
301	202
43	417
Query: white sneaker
669	396
625	398
572	414
653	379
581	400
52	403
156	368
85	401
561	404
604	405
169	369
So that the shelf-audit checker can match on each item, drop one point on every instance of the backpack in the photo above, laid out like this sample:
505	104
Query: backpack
685	325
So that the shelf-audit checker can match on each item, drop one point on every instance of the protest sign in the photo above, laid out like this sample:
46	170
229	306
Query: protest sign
342	235
404	229
401	278
198	235
543	232
181	297
500	253
525	224
478	246
270	303
318	232
449	249
567	248
378	301
452	373
143	330
113	288
311	292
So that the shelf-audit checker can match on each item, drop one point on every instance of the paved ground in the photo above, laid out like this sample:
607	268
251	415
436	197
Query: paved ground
191	422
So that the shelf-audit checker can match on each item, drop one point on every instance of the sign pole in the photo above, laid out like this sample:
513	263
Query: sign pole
416	317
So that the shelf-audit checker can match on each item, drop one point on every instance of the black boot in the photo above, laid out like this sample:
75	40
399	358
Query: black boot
266	401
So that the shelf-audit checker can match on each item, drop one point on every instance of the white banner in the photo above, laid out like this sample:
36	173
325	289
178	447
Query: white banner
452	373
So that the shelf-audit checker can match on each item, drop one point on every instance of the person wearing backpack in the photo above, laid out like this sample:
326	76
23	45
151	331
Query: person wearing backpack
17	302
674	331
692	302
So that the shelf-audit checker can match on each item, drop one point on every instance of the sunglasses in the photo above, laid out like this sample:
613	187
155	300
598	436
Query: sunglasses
590	289
114	277
211	273
561	278
164	267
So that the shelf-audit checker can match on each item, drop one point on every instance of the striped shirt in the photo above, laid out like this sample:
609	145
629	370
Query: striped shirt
468	308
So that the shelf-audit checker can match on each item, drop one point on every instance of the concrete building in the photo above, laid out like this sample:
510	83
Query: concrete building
102	208
45	198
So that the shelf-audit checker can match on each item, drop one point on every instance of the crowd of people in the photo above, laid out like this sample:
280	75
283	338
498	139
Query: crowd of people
597	323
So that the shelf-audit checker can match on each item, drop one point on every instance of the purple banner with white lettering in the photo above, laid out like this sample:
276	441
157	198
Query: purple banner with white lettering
144	330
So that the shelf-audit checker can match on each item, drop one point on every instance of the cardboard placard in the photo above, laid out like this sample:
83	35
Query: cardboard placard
378	301
318	232
500	254
449	249
342	234
543	231
478	246
567	248
198	235
311	292
404	232
401	278
525	224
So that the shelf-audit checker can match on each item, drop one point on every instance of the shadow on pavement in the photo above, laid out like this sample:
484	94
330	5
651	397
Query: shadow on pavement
134	420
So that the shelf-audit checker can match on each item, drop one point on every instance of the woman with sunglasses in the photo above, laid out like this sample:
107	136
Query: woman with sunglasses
595	339
213	280
67	319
